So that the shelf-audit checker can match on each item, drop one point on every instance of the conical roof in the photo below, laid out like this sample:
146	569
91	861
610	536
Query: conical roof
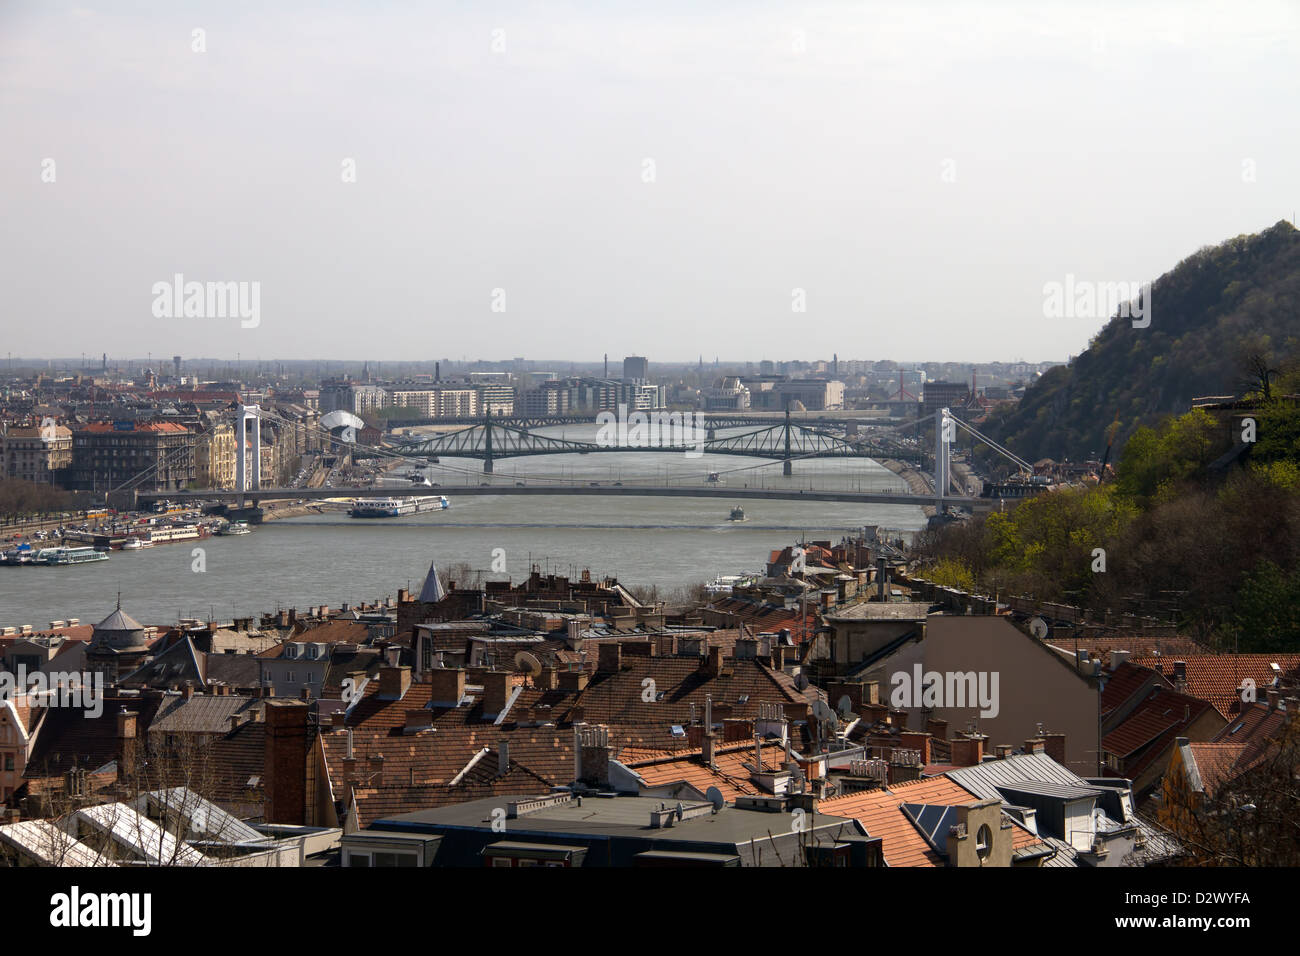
119	620
119	631
433	591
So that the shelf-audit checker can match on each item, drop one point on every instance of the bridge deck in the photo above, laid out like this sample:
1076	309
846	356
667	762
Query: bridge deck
667	491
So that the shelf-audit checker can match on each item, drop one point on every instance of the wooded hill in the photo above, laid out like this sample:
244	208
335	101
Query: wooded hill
1209	315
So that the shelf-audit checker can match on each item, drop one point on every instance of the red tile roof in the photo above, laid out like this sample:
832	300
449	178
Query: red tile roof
879	811
1217	677
1150	729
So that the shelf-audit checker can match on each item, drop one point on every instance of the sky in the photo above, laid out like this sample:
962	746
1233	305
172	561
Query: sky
563	180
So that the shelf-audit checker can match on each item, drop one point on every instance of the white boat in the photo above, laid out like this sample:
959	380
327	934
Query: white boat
724	583
59	556
235	527
396	507
174	532
132	544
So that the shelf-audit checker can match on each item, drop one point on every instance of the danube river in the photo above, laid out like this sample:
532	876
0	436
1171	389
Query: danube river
330	559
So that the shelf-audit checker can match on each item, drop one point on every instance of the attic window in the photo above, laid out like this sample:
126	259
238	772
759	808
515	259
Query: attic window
983	842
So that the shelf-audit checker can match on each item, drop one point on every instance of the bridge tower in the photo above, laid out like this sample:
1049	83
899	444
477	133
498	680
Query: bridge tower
487	443
243	480
787	464
943	435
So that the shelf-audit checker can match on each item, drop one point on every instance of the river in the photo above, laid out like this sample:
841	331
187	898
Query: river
330	559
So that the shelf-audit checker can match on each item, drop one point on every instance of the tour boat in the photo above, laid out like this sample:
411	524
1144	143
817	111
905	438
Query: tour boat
59	556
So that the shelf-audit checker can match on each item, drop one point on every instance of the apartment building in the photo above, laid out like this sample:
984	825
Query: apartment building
38	453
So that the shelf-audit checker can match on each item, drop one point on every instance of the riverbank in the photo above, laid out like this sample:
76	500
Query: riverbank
916	482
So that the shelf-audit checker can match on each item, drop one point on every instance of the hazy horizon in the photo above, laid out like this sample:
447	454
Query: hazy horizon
666	183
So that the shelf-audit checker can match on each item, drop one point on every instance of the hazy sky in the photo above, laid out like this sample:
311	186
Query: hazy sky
919	170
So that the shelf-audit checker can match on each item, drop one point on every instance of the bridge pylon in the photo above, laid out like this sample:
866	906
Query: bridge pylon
787	463
243	480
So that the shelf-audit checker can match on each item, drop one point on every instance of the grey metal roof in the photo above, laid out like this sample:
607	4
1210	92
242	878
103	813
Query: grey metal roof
983	779
1052	789
1026	771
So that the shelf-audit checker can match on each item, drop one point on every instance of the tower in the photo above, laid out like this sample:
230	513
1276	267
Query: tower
243	453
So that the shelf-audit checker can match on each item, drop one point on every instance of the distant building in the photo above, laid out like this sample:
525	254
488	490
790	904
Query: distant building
108	454
727	395
636	369
38	454
815	394
214	456
939	395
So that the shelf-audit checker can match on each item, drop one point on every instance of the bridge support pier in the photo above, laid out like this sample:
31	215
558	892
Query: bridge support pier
487	466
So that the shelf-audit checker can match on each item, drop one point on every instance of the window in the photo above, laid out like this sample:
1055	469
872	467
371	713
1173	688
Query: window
9	761
984	842
358	859
501	861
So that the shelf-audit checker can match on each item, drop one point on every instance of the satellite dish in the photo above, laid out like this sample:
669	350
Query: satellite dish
527	663
845	706
801	681
1038	628
714	796
822	711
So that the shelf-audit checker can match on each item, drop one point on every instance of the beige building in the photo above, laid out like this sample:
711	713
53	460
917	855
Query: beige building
214	456
36	453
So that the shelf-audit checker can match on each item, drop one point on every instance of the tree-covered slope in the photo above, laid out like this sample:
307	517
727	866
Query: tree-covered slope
1208	315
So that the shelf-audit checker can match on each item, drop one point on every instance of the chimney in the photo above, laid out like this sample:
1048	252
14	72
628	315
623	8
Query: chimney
968	751
778	656
707	746
882	590
1035	745
898	718
305	694
713	662
126	739
595	756
609	658
1004	751
575	634
447	686
573	679
338	719
938	729
1117	658
235	721
1054	747
503	757
496	691
1180	675
284	774
1274	695
188	690
915	740
394	682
